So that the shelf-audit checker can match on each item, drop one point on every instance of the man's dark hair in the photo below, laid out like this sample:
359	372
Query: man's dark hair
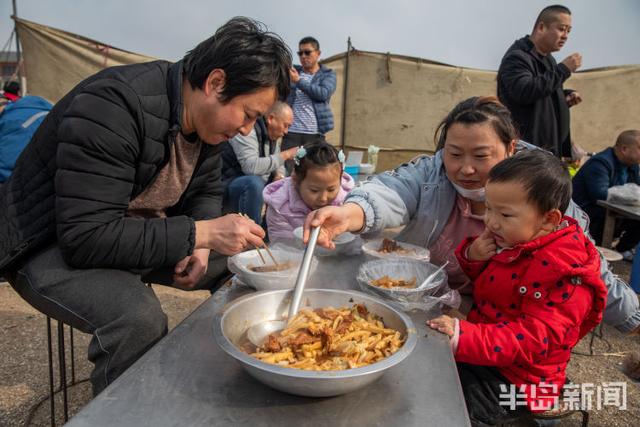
549	14
310	40
318	154
12	87
251	57
543	176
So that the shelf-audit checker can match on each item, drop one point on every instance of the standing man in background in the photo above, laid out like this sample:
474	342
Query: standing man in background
530	82
312	85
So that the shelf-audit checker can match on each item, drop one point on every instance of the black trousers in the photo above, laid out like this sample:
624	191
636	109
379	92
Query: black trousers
115	306
481	387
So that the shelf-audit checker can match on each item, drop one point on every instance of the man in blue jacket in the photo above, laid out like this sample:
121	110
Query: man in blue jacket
312	85
617	165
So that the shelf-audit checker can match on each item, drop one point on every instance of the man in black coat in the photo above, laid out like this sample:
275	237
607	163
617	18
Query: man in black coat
121	185
530	82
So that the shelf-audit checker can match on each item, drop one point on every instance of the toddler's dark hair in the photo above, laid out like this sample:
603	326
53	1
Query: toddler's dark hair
544	177
318	154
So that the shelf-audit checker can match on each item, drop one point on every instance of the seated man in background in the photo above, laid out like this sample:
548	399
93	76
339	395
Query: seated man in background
617	165
251	162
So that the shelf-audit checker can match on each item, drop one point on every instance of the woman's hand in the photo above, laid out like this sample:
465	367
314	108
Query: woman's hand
483	248
189	271
334	221
229	234
444	324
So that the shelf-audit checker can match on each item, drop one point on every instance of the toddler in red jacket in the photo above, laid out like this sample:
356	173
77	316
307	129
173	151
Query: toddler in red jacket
537	291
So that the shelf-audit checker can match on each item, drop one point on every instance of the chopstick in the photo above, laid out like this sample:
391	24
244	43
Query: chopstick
258	249
270	254
261	257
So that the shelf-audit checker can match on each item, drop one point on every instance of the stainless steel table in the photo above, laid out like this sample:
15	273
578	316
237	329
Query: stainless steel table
187	380
614	211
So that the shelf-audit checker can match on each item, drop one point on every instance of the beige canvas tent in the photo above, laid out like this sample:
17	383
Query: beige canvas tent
392	101
396	102
55	60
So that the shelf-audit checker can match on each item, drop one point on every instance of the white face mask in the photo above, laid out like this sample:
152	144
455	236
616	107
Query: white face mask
477	195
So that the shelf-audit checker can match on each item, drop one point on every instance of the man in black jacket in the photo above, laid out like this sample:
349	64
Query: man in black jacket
530	82
121	184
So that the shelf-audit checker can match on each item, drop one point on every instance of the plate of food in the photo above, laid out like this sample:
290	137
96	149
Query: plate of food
400	279
391	249
340	340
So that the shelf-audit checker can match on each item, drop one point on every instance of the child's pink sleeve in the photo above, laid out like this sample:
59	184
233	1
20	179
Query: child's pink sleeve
278	225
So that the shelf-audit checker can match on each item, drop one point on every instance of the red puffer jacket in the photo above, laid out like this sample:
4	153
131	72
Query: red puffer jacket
532	304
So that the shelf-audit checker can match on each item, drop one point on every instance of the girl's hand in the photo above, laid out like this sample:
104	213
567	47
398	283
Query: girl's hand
334	221
444	324
483	248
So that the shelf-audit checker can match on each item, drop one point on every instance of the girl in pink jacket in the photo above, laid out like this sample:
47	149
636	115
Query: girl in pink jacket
317	180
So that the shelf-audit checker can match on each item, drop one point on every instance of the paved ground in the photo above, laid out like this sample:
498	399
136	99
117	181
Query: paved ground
24	374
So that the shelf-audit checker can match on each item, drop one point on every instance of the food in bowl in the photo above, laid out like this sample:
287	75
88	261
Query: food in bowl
389	283
391	246
329	339
281	266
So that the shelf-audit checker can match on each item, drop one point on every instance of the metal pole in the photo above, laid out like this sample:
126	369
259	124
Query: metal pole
344	96
15	27
51	392
62	367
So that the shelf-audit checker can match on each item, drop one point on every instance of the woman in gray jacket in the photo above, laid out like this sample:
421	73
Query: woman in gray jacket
439	199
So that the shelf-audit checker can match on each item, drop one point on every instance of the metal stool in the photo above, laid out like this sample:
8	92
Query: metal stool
62	367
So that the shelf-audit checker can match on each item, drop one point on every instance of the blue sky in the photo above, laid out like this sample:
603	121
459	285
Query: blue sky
470	33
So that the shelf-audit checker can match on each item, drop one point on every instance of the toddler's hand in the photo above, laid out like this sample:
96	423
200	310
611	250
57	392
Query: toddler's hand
444	324
483	248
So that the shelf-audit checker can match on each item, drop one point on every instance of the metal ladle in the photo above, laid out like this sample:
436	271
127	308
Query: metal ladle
260	331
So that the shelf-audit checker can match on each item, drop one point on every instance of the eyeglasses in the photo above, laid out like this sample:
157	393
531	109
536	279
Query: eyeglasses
305	52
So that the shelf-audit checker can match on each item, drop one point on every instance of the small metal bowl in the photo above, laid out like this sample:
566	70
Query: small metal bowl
231	325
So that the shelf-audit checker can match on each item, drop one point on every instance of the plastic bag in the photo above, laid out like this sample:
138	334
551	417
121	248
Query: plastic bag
425	297
628	194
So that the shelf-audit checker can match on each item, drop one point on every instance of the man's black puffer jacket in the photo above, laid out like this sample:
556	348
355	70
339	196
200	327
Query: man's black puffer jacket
100	147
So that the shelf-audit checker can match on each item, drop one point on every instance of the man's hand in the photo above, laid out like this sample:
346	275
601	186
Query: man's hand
573	62
229	234
189	271
444	324
573	98
289	154
483	248
293	75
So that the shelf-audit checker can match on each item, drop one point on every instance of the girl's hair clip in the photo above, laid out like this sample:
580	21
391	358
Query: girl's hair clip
341	157
299	155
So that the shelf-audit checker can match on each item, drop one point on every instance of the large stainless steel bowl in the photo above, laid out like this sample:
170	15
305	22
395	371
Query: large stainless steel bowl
231	324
